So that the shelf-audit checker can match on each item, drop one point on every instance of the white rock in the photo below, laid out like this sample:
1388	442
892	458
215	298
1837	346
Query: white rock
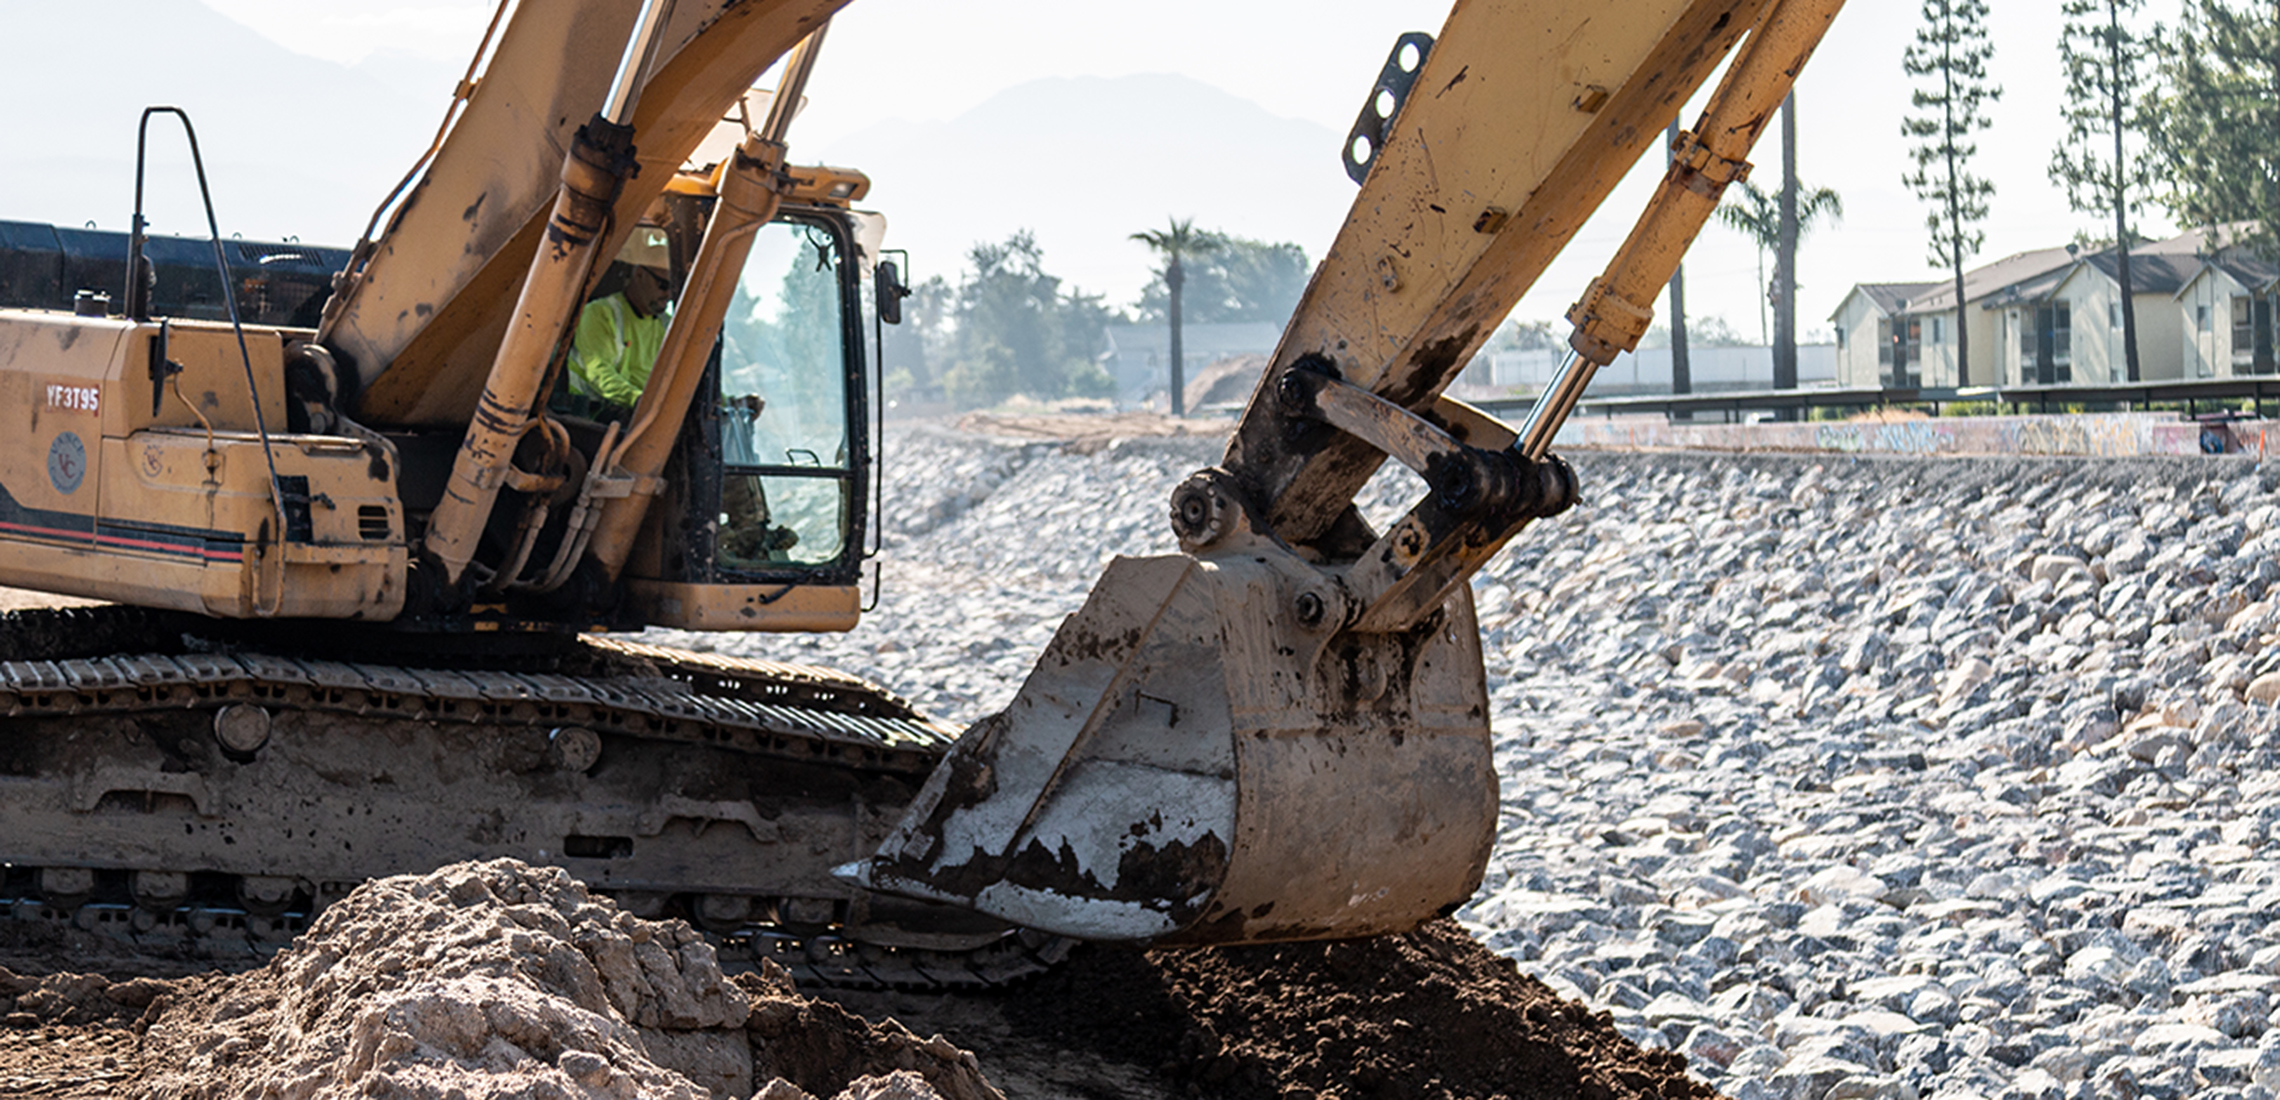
1811	1077
1777	704
1839	883
1867	1086
2057	568
2171	1038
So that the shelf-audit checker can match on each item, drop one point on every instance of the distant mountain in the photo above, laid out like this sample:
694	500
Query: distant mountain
292	144
298	145
1088	161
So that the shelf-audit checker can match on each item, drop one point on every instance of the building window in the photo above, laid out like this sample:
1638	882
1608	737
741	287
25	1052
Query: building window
2201	318
2114	314
2243	330
1938	334
1907	368
2046	339
1884	342
1840	337
2260	341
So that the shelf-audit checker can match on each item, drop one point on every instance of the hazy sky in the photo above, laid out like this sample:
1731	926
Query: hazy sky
923	60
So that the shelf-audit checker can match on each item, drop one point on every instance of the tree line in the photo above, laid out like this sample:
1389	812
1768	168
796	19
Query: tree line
1004	326
2186	116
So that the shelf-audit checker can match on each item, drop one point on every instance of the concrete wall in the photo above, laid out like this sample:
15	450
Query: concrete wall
1857	343
2161	328
1939	360
1710	370
2107	435
2163	323
2209	352
1139	356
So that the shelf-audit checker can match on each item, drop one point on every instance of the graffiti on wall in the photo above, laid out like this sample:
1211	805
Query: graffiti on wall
1904	437
2101	435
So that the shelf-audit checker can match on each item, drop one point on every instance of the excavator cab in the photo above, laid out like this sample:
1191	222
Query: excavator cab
766	495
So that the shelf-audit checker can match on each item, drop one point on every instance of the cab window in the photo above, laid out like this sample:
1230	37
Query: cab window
783	405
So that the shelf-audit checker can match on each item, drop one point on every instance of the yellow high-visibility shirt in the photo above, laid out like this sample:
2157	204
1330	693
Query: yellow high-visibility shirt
614	350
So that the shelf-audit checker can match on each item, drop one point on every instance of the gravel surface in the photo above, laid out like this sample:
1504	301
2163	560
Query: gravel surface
1844	778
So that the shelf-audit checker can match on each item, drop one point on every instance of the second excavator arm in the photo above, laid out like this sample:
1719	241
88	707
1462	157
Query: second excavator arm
1281	732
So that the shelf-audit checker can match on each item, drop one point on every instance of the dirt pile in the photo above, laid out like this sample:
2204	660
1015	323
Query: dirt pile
1425	1016
819	1048
497	979
1085	434
73	999
502	980
1225	384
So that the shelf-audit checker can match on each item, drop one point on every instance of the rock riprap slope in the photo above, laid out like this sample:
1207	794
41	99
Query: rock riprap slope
1845	778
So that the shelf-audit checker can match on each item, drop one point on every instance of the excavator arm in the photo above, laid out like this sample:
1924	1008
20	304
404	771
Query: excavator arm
1281	732
420	313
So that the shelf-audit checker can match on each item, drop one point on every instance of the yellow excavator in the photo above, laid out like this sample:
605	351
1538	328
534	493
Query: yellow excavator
363	578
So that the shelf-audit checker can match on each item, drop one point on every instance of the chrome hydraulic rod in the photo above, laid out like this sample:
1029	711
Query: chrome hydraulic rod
1434	559
1552	408
1616	309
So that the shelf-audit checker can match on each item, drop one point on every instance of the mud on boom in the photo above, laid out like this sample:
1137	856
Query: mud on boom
357	554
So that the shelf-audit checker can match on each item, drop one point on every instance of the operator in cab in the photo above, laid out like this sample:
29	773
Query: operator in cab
619	334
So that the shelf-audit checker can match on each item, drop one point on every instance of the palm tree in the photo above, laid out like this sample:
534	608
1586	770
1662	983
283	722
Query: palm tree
1756	213
1176	243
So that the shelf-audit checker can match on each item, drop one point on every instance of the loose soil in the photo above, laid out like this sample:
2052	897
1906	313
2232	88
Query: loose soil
1428	1015
1086	434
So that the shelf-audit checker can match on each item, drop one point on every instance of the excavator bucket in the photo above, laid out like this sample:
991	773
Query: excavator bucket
1282	734
1204	756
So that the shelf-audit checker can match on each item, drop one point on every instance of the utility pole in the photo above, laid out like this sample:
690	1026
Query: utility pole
1681	372
1175	277
1785	257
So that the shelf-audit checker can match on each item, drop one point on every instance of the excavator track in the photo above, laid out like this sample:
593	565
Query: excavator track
210	800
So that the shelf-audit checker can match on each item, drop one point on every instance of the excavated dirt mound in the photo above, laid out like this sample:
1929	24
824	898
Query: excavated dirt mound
1085	434
1226	383
1428	1015
496	980
823	1049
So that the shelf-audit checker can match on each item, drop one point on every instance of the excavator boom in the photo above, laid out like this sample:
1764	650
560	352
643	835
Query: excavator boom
424	306
1282	732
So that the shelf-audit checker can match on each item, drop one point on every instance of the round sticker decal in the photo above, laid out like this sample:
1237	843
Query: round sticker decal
67	462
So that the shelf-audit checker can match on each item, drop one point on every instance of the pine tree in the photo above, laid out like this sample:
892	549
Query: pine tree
2214	127
1949	61
2094	162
